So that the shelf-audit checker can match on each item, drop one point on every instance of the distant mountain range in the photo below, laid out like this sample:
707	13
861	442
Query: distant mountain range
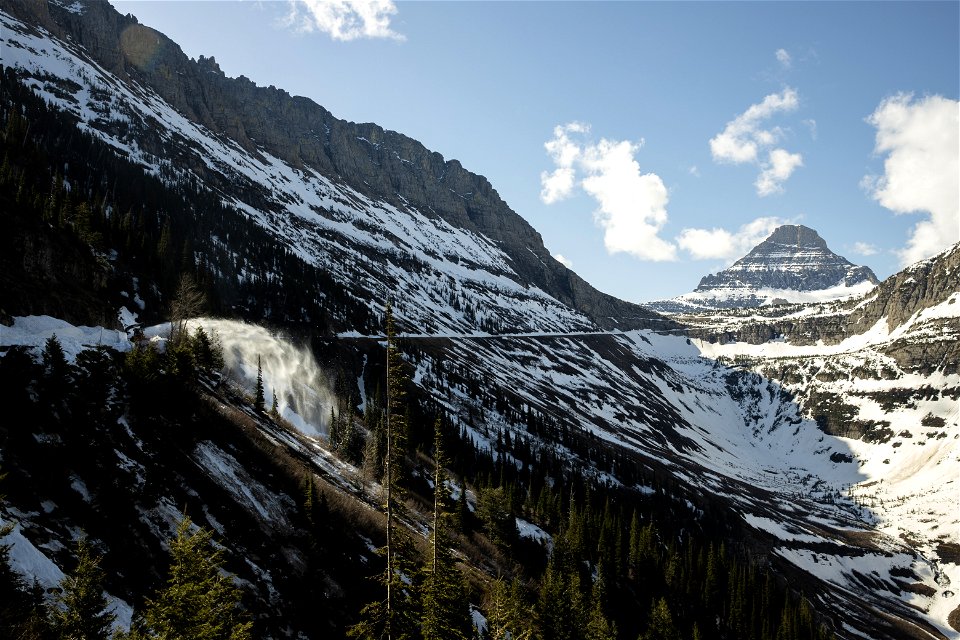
793	265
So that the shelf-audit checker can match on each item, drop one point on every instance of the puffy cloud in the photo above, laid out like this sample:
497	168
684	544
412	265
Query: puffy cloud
783	57
865	249
344	20
562	260
780	165
631	204
558	184
921	140
742	140
720	244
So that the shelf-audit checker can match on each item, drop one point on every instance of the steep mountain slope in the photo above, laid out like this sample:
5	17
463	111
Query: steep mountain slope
371	206
882	373
645	419
793	265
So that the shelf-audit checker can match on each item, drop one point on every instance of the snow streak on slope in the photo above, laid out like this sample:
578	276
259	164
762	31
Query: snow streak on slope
696	301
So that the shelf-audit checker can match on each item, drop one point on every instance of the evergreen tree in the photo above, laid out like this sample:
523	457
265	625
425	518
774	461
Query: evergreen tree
463	509
661	625
396	617
57	372
207	351
334	430
12	595
446	615
553	610
79	611
508	613
199	602
258	400
599	626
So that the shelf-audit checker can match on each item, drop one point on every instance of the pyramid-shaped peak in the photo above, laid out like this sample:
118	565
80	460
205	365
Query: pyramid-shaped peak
794	258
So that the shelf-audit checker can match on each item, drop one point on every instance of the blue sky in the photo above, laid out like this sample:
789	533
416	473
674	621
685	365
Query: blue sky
649	143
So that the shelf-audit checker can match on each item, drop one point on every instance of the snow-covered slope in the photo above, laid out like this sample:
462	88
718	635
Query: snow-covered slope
442	277
831	505
793	265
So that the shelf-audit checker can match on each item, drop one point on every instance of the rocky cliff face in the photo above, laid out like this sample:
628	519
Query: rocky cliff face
383	165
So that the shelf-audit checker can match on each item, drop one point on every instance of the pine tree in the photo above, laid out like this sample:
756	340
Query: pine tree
335	434
552	609
199	602
445	611
80	611
258	401
463	509
57	373
509	615
599	626
395	617
661	625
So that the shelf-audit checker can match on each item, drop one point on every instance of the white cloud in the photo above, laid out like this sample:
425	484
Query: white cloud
344	20
558	184
562	260
865	249
742	140
738	142
811	124
779	167
694	171
631	205
783	57
921	140
713	244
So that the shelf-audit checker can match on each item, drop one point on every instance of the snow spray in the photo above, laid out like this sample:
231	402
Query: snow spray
290	372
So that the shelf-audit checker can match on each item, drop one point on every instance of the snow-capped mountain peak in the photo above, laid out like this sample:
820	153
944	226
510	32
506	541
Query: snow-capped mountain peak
793	265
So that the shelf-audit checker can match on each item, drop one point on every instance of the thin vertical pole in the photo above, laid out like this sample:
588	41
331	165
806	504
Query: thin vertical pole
389	487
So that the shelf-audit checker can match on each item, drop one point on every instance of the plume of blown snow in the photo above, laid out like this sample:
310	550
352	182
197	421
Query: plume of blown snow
290	372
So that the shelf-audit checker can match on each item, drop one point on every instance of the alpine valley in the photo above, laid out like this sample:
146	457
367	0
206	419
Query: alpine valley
193	278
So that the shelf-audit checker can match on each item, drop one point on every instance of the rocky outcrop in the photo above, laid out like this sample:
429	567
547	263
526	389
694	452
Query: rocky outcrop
382	164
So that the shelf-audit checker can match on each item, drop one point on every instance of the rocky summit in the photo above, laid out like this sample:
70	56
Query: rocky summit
793	265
